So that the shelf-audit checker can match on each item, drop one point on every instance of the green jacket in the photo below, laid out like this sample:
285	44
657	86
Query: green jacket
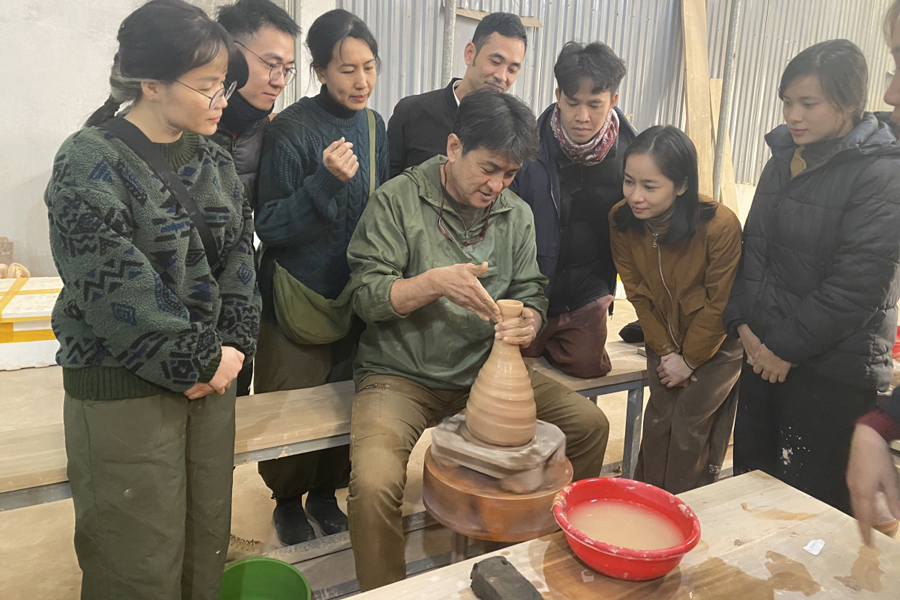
441	345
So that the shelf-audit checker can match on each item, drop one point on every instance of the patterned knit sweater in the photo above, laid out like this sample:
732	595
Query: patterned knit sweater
306	215
140	312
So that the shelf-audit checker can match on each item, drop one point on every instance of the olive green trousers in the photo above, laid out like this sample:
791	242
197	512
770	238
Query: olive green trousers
151	483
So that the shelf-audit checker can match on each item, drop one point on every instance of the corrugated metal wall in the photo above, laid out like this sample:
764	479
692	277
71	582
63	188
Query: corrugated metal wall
647	35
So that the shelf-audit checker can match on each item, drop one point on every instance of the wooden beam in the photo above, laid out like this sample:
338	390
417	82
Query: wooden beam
729	190
480	14
696	88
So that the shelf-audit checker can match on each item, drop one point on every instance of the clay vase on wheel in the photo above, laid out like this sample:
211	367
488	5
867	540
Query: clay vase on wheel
501	409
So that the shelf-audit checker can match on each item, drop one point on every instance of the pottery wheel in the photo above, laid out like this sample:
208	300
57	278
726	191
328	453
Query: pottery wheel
521	469
474	505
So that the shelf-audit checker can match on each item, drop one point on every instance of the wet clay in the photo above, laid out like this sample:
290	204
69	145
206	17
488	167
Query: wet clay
625	525
501	409
776	514
866	571
714	579
790	575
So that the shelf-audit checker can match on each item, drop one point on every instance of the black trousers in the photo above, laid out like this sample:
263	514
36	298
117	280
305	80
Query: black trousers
283	365
799	431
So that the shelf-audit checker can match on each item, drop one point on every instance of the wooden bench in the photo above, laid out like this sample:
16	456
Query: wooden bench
272	425
277	424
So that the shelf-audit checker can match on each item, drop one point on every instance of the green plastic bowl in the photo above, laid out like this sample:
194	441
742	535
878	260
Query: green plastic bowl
263	579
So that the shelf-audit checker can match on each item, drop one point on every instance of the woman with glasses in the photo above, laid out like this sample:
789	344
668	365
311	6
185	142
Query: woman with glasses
322	157
677	254
158	311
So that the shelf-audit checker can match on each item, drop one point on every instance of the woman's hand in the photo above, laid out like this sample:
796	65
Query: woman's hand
770	367
229	367
340	160
751	344
673	371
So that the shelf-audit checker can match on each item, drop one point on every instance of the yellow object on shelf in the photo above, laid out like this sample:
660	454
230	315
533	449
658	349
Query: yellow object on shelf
26	304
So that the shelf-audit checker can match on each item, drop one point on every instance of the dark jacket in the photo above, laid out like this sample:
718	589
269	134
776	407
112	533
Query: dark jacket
679	290
892	408
245	149
419	127
538	184
818	281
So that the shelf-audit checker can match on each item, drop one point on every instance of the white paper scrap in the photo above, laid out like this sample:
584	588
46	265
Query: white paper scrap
814	547
587	576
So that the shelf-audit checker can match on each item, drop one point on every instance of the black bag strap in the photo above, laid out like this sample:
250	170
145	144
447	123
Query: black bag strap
143	147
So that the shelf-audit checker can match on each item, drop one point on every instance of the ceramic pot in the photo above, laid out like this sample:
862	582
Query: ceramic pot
501	409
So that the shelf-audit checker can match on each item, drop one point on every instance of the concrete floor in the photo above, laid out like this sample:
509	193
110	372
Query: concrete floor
37	559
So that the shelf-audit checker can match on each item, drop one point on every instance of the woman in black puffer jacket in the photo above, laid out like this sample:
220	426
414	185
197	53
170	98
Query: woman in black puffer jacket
815	300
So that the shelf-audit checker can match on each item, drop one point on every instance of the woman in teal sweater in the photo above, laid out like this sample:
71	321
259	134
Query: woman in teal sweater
315	179
151	336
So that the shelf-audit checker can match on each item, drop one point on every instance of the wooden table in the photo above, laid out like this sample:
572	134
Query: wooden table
754	531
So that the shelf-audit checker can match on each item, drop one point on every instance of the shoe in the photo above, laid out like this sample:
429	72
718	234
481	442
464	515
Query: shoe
322	506
291	524
632	333
239	548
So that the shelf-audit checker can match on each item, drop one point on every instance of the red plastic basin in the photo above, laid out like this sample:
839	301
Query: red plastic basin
626	563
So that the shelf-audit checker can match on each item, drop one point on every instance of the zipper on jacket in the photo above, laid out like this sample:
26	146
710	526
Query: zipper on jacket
665	285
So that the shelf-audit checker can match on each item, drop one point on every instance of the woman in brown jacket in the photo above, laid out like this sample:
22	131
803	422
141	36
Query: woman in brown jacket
677	256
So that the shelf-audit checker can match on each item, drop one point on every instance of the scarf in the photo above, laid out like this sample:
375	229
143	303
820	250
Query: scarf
240	116
594	150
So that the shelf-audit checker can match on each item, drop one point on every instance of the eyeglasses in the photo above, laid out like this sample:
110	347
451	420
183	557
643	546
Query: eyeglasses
217	98
479	238
276	70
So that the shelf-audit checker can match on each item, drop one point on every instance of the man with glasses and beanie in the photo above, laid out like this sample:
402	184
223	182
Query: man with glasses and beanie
434	249
265	34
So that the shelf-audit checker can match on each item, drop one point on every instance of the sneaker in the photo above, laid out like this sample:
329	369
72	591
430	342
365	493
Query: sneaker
291	524
239	548
323	507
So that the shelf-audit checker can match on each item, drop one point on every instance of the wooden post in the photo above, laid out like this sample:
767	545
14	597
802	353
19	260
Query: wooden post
729	191
696	88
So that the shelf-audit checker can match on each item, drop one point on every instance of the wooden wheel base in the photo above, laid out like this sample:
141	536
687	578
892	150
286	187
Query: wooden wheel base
473	504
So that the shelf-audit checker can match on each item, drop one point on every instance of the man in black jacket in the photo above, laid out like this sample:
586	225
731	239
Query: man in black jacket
265	33
420	124
571	187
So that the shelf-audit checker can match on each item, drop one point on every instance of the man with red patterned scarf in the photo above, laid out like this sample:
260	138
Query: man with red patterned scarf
571	187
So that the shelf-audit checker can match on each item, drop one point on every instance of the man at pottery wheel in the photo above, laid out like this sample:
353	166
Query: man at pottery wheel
434	249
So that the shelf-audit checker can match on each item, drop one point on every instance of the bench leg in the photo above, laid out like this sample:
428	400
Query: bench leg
460	546
633	420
